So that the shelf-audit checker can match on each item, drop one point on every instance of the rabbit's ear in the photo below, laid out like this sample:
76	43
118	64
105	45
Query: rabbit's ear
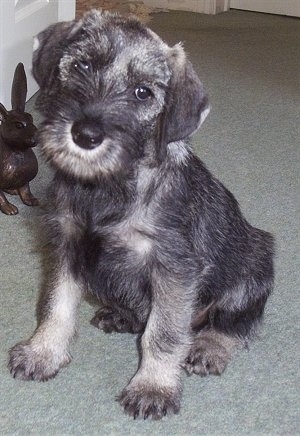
19	89
3	113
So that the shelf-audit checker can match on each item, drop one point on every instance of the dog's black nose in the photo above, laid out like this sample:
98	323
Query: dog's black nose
87	134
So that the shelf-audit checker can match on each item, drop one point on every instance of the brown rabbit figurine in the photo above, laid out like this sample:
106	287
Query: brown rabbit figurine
18	164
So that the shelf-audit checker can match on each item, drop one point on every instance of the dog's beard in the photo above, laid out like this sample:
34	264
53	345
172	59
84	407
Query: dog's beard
115	154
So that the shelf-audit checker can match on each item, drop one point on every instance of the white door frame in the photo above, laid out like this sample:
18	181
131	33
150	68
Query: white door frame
20	20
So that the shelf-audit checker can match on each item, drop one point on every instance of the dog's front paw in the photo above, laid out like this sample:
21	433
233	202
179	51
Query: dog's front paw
149	402
28	362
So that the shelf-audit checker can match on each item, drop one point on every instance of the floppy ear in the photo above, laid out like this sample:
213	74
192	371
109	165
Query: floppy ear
186	104
48	48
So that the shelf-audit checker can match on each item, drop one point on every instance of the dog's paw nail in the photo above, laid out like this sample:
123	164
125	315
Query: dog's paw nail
150	403
26	363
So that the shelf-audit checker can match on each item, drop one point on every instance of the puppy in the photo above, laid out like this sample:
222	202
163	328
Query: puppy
137	219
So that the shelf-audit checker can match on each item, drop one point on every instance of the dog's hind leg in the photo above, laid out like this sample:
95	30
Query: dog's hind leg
41	357
232	320
210	352
230	324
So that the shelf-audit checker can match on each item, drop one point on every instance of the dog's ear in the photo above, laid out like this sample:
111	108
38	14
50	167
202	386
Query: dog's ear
186	105
48	48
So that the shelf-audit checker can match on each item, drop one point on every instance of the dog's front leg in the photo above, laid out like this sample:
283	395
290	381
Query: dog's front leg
155	390
41	357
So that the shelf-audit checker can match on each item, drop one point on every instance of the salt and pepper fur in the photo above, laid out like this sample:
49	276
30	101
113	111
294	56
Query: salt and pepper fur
138	221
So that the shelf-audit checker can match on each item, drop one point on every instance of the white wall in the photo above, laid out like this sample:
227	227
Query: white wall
19	22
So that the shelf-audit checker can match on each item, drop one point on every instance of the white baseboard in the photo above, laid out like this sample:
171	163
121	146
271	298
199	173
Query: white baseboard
201	6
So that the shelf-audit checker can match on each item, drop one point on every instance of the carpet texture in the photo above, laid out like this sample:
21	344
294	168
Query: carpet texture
250	65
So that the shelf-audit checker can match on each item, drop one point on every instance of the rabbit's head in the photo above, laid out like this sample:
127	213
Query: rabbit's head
16	126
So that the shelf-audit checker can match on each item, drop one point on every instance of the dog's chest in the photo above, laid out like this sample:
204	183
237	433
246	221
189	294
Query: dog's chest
118	269
110	242
134	232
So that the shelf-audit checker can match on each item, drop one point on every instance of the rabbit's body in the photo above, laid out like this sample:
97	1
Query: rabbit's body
17	168
18	163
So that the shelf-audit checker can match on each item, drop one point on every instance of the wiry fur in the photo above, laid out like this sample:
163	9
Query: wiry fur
138	220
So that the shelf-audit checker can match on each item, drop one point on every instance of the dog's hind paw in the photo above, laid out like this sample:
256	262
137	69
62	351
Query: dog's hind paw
26	362
210	353
109	321
143	402
202	363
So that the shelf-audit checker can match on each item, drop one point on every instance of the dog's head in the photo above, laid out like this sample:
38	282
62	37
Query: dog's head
110	90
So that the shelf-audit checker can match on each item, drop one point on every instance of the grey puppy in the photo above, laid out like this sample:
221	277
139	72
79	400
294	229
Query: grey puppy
137	219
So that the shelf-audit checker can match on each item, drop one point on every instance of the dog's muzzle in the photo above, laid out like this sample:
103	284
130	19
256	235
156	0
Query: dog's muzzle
87	134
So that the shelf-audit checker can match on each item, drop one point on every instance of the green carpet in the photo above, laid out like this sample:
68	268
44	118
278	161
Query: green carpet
250	65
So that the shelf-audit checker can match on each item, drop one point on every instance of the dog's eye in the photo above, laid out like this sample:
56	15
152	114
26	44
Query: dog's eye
142	93
82	65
